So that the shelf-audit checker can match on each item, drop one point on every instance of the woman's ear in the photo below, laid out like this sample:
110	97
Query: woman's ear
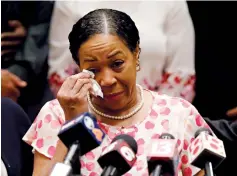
137	55
137	52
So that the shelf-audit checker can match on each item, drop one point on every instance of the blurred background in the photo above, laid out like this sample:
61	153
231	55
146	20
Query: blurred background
215	56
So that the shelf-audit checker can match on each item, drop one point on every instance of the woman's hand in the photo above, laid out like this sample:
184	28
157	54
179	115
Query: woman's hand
72	95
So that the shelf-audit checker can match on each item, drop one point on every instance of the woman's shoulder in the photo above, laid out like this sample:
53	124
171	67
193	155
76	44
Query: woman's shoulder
51	111
161	99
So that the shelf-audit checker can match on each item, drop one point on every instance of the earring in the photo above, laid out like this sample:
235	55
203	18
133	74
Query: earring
138	68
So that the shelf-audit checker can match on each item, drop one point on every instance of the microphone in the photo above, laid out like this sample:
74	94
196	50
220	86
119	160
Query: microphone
163	156
119	157
206	151
80	135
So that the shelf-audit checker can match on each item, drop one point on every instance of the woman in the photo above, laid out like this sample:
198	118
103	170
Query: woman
107	43
167	42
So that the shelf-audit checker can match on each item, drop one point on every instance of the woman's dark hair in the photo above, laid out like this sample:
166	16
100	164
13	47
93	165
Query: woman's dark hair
103	21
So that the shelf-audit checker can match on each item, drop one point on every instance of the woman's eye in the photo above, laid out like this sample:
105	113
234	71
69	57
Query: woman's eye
117	64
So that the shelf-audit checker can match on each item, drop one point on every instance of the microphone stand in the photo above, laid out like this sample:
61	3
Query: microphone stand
208	169
71	165
157	171
110	171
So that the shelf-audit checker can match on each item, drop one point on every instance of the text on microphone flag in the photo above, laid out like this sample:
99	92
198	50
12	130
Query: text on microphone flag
124	150
127	153
163	147
82	128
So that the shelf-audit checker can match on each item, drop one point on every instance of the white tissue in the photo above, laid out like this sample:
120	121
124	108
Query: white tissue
89	72
95	86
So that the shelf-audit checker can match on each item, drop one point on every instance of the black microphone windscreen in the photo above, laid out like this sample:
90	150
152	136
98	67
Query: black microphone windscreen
129	140
84	129
166	136
205	130
119	155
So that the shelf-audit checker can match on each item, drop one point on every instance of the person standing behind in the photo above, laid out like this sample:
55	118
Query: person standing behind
24	50
16	156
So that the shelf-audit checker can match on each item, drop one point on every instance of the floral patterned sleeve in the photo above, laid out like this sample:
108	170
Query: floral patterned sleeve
42	135
192	123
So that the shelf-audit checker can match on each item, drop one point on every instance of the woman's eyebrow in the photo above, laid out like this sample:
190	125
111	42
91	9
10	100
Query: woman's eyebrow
114	53
110	55
90	60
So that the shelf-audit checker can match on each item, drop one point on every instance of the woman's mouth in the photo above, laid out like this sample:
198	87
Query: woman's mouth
113	96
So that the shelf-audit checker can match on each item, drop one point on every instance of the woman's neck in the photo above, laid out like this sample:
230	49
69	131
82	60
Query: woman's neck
135	119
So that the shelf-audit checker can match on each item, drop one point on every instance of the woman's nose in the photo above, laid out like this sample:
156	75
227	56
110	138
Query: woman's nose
107	79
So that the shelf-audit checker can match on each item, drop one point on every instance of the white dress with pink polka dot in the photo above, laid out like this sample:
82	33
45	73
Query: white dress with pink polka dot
167	114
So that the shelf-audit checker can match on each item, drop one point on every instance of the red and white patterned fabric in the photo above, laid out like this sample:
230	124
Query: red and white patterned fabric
166	42
167	114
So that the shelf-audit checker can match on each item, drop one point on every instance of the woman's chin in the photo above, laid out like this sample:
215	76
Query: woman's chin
112	107
111	104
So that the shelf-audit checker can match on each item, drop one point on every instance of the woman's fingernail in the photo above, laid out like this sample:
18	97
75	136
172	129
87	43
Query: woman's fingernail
23	83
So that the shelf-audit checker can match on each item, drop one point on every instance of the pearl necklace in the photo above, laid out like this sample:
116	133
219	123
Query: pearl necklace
118	117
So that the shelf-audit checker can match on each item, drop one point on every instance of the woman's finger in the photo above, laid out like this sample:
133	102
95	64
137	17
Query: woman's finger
79	85
70	82
83	75
84	90
232	112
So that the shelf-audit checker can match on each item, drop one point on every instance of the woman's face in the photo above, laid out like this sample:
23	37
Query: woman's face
114	66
